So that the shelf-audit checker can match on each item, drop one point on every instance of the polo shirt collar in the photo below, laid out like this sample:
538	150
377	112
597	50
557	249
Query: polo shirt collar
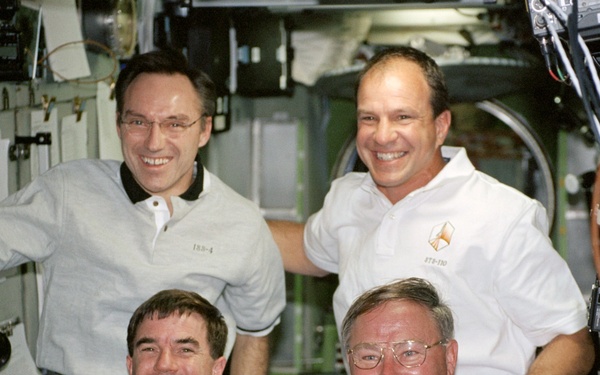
137	194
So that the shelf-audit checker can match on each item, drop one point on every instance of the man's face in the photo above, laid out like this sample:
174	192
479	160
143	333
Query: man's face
398	321
398	139
173	345
163	165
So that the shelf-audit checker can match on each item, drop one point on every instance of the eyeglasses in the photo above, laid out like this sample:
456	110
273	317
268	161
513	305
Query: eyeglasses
409	353
136	125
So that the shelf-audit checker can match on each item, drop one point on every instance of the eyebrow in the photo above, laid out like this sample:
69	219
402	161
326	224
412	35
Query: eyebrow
130	112
144	340
149	340
188	340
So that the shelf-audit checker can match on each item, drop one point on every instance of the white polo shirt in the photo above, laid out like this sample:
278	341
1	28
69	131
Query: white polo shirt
483	244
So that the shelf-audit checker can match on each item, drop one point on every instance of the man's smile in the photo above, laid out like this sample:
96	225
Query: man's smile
387	156
155	161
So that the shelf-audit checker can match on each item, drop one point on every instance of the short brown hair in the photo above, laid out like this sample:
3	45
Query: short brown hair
168	62
433	74
175	301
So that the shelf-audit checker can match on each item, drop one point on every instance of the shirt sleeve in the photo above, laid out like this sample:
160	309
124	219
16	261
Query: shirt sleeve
328	232
534	283
320	238
30	220
258	302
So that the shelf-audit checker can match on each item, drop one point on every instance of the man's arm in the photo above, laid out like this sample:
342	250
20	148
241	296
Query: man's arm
250	355
289	237
566	355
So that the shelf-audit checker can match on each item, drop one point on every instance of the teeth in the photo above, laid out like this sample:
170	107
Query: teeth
158	161
390	155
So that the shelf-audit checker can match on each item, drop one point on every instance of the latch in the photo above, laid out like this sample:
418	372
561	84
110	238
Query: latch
22	150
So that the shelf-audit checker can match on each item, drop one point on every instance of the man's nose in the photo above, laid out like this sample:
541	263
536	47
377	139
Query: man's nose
155	138
389	365
385	132
165	362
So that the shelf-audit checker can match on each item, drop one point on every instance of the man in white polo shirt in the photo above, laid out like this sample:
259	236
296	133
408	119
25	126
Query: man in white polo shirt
423	211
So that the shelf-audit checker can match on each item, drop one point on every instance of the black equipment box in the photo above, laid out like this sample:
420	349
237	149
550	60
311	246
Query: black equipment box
264	54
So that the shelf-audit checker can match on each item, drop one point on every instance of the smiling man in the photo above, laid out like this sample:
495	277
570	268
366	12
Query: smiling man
161	158
400	328
423	210
176	332
111	234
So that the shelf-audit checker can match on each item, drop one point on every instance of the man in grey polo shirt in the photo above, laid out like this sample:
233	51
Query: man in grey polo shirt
110	235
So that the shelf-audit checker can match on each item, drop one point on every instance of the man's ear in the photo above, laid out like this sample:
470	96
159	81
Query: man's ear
118	124
451	356
205	131
442	126
129	365
218	366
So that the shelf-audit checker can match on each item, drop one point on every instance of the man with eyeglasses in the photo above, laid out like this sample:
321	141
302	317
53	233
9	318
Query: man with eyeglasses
400	328
111	234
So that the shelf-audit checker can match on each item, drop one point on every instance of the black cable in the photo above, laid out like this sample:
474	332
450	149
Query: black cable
546	52
589	96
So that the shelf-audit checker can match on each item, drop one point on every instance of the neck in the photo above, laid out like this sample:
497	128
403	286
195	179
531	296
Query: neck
397	193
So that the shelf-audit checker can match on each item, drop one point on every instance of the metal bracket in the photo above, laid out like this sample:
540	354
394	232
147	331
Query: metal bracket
6	327
21	148
48	105
78	107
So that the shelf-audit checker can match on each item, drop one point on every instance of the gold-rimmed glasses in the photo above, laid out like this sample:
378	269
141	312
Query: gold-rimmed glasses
138	125
409	353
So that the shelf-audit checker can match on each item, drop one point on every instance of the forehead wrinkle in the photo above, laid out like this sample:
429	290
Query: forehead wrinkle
407	318
163	92
398	70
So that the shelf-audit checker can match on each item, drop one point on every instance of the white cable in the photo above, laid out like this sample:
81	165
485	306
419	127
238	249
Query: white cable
563	55
594	73
590	64
590	61
558	12
564	17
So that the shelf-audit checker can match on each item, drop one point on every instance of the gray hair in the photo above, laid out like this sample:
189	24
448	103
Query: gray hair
412	289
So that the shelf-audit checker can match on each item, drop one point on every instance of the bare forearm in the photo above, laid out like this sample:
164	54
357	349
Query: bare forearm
250	355
289	237
566	355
